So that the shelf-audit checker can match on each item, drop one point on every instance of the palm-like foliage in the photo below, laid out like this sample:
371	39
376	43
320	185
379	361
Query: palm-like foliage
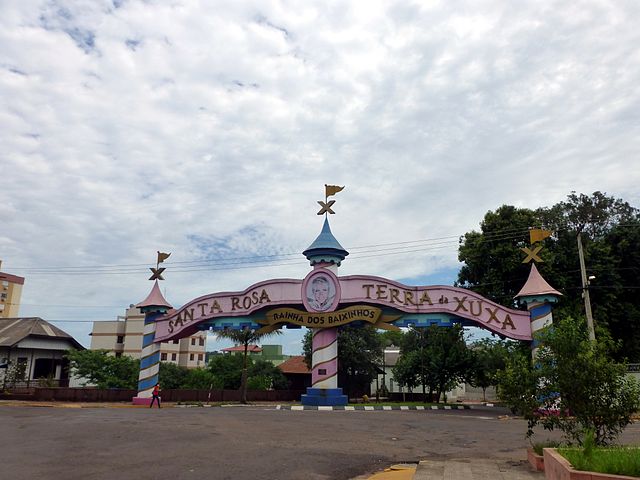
244	337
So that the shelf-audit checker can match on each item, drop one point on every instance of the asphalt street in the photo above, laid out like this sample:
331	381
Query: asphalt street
246	442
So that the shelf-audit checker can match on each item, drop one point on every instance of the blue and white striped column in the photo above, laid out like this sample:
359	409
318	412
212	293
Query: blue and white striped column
541	318
153	307
539	298
150	357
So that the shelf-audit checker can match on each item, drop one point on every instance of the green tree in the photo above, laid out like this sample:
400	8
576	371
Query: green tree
414	367
449	357
172	376
577	380
406	374
201	379
492	260
488	357
228	370
392	337
274	377
359	356
244	337
99	368
610	231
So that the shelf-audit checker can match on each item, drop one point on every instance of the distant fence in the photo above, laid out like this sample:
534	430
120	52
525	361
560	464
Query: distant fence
87	394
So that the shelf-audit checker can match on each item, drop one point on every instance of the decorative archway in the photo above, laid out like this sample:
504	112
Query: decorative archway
324	301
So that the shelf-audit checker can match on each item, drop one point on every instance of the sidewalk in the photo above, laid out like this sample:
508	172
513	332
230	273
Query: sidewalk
475	469
459	469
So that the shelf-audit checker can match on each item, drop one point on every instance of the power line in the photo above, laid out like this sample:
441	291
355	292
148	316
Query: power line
279	260
228	264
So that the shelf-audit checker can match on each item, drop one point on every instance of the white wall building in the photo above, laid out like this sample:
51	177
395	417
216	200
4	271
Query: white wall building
36	348
124	337
462	392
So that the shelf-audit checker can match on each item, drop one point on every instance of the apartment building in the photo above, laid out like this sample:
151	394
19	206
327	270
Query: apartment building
124	337
10	293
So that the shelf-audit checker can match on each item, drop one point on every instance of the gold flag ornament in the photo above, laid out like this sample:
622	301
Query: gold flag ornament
331	189
162	256
538	234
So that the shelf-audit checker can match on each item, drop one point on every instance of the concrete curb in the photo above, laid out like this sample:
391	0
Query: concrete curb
368	408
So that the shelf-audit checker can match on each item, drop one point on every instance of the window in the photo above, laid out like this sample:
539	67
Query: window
120	339
193	341
191	357
200	357
173	357
175	342
202	341
3	296
163	357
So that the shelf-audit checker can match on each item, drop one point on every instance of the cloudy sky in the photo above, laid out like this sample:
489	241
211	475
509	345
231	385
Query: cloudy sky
208	129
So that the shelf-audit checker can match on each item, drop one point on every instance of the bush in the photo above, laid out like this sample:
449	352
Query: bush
260	382
575	386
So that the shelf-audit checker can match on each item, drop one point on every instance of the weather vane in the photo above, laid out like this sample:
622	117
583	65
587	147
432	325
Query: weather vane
157	272
326	205
535	235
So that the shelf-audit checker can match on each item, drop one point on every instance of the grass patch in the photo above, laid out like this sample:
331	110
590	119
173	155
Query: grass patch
616	461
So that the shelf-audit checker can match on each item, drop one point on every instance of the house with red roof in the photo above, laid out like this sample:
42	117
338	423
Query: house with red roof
297	372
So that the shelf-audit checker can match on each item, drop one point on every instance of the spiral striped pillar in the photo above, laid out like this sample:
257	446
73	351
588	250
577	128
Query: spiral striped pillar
539	298
153	307
541	318
150	357
324	359
325	253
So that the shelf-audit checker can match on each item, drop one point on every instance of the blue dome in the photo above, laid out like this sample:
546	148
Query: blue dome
325	248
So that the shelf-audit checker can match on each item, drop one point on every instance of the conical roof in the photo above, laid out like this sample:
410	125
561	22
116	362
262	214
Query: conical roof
536	285
154	299
325	248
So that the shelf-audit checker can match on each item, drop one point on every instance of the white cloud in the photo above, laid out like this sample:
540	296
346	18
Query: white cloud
129	127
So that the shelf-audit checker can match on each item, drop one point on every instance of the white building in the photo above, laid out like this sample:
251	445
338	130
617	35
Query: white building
34	348
462	392
124	337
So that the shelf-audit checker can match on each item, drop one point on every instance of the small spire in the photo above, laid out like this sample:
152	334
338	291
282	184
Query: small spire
154	299
325	248
536	285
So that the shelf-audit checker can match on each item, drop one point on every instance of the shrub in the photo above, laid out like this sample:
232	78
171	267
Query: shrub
574	386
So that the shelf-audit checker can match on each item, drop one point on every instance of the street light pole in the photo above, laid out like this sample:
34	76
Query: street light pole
585	290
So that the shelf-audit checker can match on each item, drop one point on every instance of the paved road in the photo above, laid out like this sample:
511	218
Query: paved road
244	442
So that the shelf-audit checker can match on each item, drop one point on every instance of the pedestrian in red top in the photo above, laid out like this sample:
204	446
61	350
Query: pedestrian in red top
155	395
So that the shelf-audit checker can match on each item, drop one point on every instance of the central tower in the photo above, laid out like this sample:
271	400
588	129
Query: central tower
321	293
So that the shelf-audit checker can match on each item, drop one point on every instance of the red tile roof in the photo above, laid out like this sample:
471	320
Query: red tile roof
294	365
12	278
240	348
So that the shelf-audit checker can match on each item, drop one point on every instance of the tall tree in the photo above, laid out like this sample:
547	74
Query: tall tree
492	260
99	368
272	374
227	369
488	357
610	231
244	337
449	357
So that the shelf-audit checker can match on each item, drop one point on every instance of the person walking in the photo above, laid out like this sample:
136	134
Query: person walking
155	395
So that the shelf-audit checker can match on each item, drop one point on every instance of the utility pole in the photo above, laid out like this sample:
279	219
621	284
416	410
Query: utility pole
585	289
